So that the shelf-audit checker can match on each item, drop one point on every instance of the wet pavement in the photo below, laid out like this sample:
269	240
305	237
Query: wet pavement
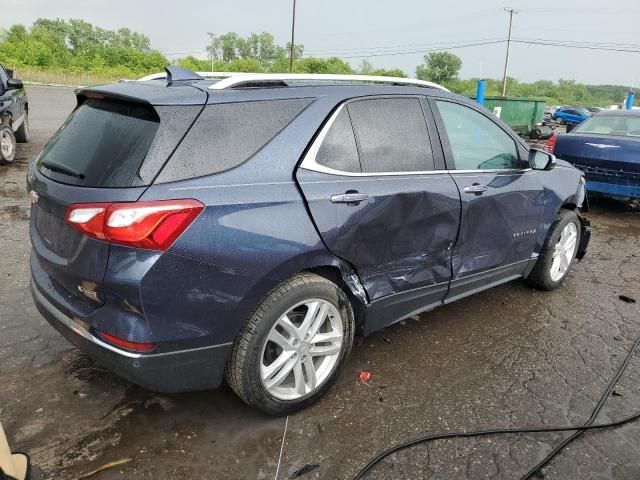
509	357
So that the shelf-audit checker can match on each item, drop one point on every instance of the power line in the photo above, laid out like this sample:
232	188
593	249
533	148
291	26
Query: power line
583	10
441	46
410	45
569	45
578	42
427	48
423	50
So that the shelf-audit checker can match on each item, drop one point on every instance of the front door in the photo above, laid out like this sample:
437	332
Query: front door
502	199
381	200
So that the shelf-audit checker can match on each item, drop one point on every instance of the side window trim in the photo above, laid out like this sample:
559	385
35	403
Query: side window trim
446	146
309	159
434	136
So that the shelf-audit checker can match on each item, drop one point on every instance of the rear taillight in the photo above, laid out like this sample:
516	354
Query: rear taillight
151	225
126	344
551	143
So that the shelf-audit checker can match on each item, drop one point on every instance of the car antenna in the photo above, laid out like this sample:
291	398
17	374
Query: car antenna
175	74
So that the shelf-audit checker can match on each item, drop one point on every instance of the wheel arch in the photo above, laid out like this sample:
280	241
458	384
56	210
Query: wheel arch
349	283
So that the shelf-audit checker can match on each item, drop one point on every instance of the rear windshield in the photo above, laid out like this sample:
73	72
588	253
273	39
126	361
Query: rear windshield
622	126
101	144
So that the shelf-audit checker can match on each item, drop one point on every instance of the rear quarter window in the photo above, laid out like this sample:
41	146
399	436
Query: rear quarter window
101	144
226	135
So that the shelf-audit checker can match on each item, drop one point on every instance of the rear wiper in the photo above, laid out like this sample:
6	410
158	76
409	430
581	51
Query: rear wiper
58	167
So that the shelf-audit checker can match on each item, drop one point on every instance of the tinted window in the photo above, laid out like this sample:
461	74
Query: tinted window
225	135
477	142
338	149
101	144
392	135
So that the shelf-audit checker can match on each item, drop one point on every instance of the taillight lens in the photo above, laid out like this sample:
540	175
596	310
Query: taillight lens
550	146
133	346
151	225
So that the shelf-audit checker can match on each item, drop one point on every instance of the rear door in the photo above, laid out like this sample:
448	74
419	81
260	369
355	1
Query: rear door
381	200
502	198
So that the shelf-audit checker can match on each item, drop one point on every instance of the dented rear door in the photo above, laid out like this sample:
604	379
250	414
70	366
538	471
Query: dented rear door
381	201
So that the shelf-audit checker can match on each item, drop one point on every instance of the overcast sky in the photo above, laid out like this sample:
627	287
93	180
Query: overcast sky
349	28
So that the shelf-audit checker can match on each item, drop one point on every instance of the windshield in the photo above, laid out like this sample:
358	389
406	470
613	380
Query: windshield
624	126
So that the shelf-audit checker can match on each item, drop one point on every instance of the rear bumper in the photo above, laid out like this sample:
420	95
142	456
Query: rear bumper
178	371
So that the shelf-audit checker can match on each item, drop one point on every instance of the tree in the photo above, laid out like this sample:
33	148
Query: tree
439	67
261	47
365	68
76	46
396	72
321	65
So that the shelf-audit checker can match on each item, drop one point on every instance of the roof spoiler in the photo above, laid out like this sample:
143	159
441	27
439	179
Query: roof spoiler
175	74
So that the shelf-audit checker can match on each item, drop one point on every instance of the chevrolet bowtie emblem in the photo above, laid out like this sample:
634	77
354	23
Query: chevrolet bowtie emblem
602	145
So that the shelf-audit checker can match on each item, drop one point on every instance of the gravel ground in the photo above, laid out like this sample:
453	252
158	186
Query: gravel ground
508	357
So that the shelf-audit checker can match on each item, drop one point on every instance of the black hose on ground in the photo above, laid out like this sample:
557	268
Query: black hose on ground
577	429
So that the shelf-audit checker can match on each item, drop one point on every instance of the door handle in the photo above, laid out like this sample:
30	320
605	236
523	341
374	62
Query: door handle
476	188
353	198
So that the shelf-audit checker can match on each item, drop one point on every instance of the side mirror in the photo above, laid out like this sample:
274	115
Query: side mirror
540	160
13	84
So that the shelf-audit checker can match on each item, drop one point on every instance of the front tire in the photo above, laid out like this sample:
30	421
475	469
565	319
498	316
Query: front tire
7	145
292	348
558	253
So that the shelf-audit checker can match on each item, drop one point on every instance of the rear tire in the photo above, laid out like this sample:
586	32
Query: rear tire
7	145
23	134
558	253
278	362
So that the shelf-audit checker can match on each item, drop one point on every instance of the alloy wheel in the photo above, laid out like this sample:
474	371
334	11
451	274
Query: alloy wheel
6	144
564	251
302	349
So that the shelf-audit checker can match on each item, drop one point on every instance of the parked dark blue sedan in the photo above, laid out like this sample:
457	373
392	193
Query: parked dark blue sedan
607	149
188	229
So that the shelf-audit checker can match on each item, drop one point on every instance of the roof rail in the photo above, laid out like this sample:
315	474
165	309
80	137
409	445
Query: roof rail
163	75
238	79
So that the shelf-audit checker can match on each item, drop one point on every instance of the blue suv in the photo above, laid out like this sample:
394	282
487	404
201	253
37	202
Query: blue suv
571	115
186	229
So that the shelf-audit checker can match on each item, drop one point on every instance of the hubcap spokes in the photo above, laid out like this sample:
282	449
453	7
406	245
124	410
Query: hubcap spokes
302	349
6	144
564	251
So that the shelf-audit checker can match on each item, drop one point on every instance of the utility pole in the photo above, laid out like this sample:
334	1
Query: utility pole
212	36
293	34
511	11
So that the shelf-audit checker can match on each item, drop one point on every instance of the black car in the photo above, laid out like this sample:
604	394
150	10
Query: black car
186	229
14	115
